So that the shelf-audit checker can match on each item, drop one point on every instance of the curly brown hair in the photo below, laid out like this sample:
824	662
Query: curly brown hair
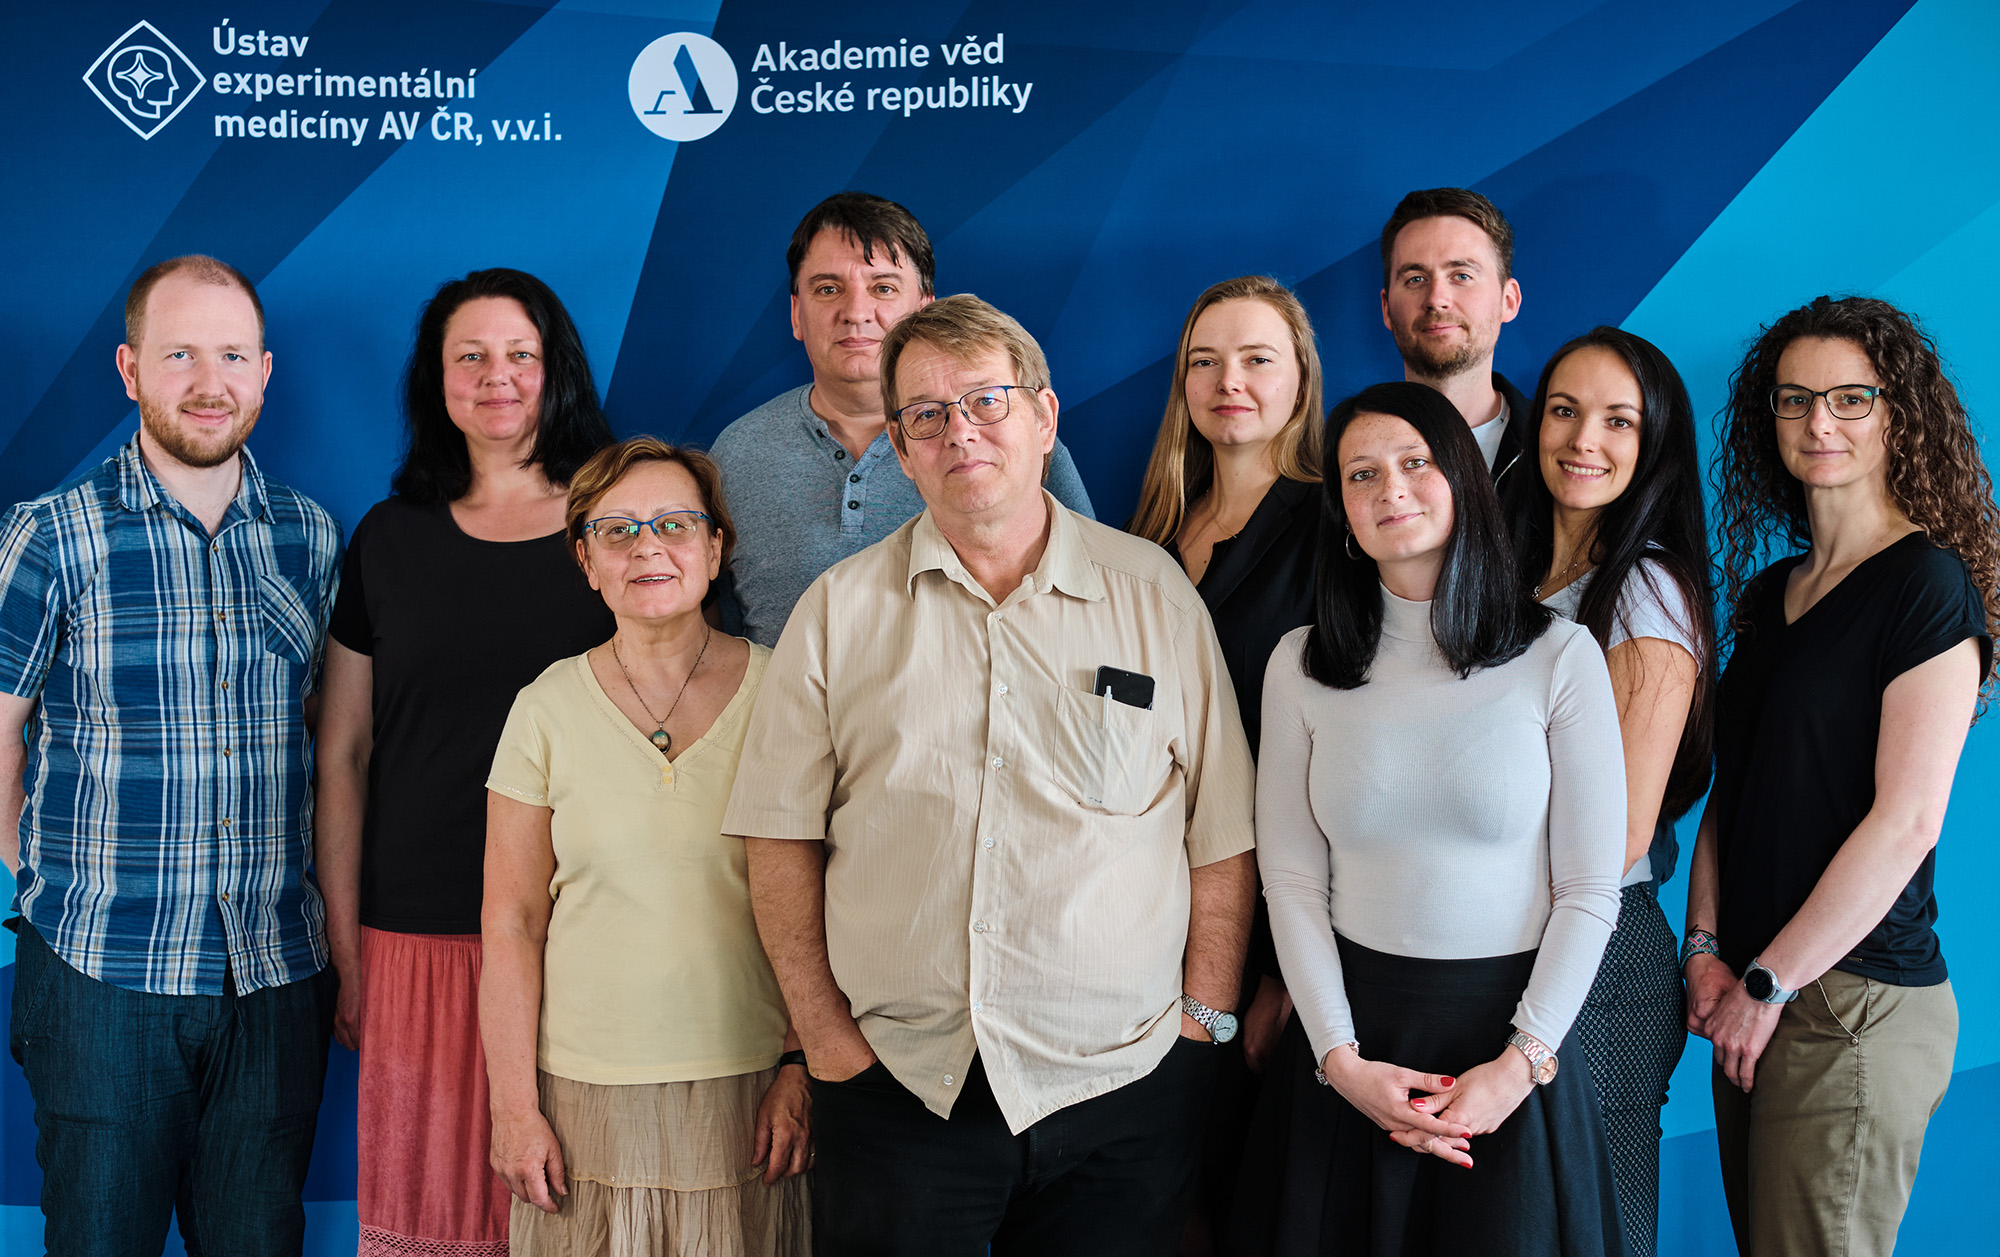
1936	476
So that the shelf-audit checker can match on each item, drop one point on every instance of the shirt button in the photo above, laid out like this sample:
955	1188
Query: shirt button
989	844
1003	687
854	479
225	685
979	927
837	454
977	1006
225	822
853	504
225	896
222	615
997	617
947	1080
225	752
998	762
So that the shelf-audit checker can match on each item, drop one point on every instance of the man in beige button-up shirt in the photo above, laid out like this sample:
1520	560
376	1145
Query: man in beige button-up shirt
984	887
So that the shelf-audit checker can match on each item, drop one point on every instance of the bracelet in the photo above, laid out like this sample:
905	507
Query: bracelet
1699	943
797	1056
1319	1075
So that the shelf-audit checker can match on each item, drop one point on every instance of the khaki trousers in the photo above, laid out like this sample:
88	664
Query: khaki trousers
1819	1159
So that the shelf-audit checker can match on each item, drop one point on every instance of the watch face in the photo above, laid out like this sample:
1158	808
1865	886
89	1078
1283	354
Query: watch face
1223	1028
1759	984
1545	1072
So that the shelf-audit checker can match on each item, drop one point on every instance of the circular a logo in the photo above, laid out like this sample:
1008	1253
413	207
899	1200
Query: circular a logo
682	86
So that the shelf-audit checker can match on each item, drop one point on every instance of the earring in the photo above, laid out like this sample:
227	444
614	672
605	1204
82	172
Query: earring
1348	545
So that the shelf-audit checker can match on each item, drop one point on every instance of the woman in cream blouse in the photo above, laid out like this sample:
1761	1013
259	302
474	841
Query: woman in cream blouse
632	1026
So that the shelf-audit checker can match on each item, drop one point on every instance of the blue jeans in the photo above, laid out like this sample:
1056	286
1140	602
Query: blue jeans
148	1104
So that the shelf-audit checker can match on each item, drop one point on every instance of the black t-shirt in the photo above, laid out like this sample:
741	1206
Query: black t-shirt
1798	714
456	626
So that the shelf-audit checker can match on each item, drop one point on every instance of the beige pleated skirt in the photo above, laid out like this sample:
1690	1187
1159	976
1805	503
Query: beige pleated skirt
662	1170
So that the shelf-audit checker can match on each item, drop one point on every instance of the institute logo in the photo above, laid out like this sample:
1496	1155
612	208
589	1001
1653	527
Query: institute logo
682	86
144	79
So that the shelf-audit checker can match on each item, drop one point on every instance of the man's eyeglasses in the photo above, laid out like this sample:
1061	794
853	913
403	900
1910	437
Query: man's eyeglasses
921	421
1843	401
673	528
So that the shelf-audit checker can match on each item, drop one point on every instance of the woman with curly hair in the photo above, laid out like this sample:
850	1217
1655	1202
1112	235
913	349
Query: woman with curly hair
1811	960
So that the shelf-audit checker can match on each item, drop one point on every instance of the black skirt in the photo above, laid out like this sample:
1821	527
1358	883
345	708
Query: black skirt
1540	1186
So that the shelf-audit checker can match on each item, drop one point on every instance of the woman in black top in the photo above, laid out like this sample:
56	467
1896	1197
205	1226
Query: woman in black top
456	592
1231	492
1811	961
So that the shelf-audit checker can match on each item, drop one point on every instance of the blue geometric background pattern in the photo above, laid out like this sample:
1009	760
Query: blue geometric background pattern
1688	171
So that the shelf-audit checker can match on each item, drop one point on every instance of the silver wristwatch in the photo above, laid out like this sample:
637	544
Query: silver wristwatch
1541	1061
1221	1026
1762	985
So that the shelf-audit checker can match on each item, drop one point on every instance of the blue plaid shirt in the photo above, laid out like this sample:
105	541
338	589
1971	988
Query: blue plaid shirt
167	834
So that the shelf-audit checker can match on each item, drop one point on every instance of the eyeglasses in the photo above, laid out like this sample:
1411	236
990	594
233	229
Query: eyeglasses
673	528
921	421
1843	401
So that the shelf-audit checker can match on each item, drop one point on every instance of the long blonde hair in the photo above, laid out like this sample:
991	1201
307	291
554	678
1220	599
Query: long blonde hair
1183	463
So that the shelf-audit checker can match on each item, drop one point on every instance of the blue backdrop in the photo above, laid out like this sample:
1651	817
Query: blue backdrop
1688	171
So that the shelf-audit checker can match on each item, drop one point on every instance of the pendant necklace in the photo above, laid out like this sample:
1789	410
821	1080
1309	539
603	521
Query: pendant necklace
659	737
1582	557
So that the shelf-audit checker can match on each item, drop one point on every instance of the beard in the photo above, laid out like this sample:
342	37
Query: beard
199	450
1439	362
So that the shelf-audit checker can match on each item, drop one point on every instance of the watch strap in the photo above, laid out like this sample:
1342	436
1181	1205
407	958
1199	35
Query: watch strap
1200	1012
797	1056
1541	1060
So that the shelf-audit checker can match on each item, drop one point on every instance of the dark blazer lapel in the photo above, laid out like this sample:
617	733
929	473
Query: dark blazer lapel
1271	520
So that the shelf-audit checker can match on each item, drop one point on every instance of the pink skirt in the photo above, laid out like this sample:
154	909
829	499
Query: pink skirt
423	1129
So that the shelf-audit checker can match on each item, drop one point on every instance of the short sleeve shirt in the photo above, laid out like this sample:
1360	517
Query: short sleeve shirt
1008	853
653	971
1650	605
166	839
1798	716
453	626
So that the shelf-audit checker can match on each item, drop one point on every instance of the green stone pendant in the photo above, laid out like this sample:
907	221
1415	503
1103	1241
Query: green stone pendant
661	739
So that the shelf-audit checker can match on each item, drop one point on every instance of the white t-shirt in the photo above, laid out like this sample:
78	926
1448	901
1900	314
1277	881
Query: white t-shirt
1650	605
1488	434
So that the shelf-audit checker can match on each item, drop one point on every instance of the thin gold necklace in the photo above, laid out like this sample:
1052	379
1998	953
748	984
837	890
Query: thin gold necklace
1582	557
659	737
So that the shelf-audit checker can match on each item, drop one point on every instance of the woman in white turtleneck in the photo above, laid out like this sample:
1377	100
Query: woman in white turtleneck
1440	826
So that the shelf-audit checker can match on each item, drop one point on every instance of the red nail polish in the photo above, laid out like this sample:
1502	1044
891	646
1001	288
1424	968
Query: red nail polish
1416	1104
1449	1081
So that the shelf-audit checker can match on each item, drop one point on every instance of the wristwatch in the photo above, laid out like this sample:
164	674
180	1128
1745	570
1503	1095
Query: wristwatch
1762	985
1221	1026
1541	1061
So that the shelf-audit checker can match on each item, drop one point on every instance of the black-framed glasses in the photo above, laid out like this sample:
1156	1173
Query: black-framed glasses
1843	401
673	528
921	421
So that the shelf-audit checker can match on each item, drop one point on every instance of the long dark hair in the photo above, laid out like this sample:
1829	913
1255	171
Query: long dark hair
1660	516
436	467
1937	476
1480	616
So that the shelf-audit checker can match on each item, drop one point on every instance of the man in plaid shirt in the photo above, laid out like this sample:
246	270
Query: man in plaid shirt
161	620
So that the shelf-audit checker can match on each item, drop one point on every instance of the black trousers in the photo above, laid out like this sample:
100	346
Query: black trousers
1104	1177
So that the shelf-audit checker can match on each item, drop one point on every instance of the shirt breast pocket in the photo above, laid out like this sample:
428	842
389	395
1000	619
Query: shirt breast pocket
1107	755
291	626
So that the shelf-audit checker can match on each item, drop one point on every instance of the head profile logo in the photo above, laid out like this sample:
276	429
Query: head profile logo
682	86
144	79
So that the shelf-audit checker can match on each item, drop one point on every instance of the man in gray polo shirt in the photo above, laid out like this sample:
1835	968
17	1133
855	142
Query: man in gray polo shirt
810	477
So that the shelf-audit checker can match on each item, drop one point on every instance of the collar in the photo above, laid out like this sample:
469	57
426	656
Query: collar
140	490
1065	564
1404	620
